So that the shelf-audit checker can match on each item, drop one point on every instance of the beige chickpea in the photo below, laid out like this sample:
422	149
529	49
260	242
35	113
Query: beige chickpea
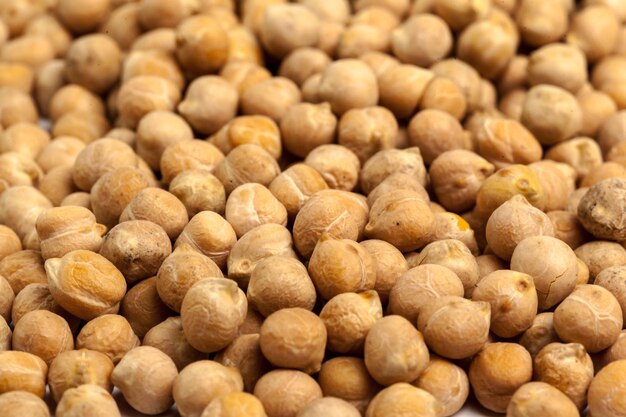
612	279
513	300
59	151
158	14
377	16
6	299
497	372
143	94
251	205
280	39
459	14
242	74
255	246
395	182
18	169
88	398
416	287
22	371
573	324
158	130
464	75
145	375
271	97
568	228
19	208
180	271
57	184
341	265
82	21
22	268
611	131
607	71
216	304
404	399
244	353
159	207
413	41
21	403
514	76
210	103
246	163
337	11
64	277
446	382
16	15
79	198
202	44
210	234
42	333
489	263
599	255
37	297
598	209
337	164
24	138
368	130
123	25
593	42
379	62
535	398
294	338
402	87
73	368
231	404
110	334
565	366
99	158
294	186
31	50
279	282
242	44
199	190
360	38
85	126
348	318
93	61
169	338
143	308
62	230
16	106
302	63
137	248
581	153
350	75
73	98
452	226
604	392
258	130
605	171
386	162
436	132
113	191
445	335
558	64
444	94
286	404
618	154
189	155
330	407
390	265
162	39
50	79
347	378
614	353
540	22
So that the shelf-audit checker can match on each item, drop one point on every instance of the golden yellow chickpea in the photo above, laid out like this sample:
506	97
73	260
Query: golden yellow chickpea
22	403
595	30
306	126
535	398
259	130
22	371
446	382
541	23
16	106
247	163
605	392
270	390
110	334
279	38
404	399
144	94
94	61
202	44
337	164
350	75
294	186
231	405
402	87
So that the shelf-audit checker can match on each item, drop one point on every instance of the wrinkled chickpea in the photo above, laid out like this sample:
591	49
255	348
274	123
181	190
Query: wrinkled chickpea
402	88
157	131
42	333
278	403
536	398
247	163
599	255
337	164
110	334
22	403
90	399
168	337
143	308
404	399
294	186
599	210
210	102
351	76
22	371
210	234
94	62
251	205
159	207
446	382
244	353
605	391
198	190
73	368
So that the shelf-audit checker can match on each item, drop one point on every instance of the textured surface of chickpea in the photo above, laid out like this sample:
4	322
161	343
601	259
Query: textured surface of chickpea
446	382
168	337
159	207
402	398
22	371
73	368
110	334
87	399
536	398
244	353
305	390
156	131
605	391
20	403
210	234
599	255
210	103
42	333
199	190
247	163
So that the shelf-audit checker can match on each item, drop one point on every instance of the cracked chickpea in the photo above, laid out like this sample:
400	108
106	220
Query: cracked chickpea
251	205
294	186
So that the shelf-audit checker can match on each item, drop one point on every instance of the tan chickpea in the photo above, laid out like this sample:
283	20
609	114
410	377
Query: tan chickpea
242	44
611	131
604	171
271	97
444	94
158	130
21	403
210	103
82	21
612	279
601	308
99	158
353	76
60	151
143	308
31	50
445	335
390	265
168	337
604	392
251	205
189	155
404	399
301	63
412	42
330	407
582	153
618	154
159	207
63	276
62	230
243	74
246	163
42	333
377	16
416	287
18	169
16	107
599	255
22	268
137	248
614	353
446	382
337	164
402	87
155	14
244	353
514	76
598	209
436	132
541	23
535	398
6	300
162	39
57	184
17	76
144	94
19	208
73	368
216	243
73	98
294	186
360	38
558	64
347	378
329	35
279	282
79	198
93	61
384	163
348	317
288	404
258	244
568	228
258	130
199	190
202	44
50	79
88	398
37	297
565	366
110	334
22	371
123	25
306	126
85	126
594	43
280	39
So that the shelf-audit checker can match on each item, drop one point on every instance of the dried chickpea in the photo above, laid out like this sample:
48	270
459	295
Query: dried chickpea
618	154
143	308
612	279
301	63
31	50
247	163
347	378
202	44
414	41
614	353
80	199
574	324
22	268
443	94
73	368
87	399
19	208
446	382
159	207
280	403
85	126
199	190
168	337
331	407
209	104
18	169
541	23
513	300
341	265
231	405
152	62
114	190
49	79
606	391
37	297
257	130
82	21
143	94
402	87
57	184
599	255
452	226
387	162
604	171
157	131
25	138
22	403
348	317
243	74
258	244
390	265
60	151
210	234
404	399
22	371
145	376
16	106
558	64
446	335
351	76
436	132
155	14
189	155
600	212
94	62
271	97
416	287
73	98
565	366
137	248
278	38
537	398
64	229
337	164
568	228
581	153
244	353
279	282
110	334
595	30
6	299
294	186
99	158
251	205
395	182
42	333
242	44
123	25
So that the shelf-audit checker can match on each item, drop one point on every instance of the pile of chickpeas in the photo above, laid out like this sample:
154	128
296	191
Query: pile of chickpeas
312	208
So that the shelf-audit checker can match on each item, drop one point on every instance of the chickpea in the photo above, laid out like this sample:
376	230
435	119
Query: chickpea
94	61
599	255
215	244
582	153
24	138
16	107
404	399
257	130
612	279
58	152
21	403
605	171
247	163
242	74
202	108
304	391
244	353
73	98
596	44
436	132
155	14
541	23
143	308
157	131
280	39
568	228
337	164
123	25
605	391
18	169
558	64
360	38
329	407
567	367
294	186
6	299
202	44
199	190
347	378
597	210
31	50
110	334
614	353
74	368
23	268
354	77
42	333
16	75
412	42
271	97
231	404
446	382
169	338
301	63
535	398
159	207
618	154
402	88
19	208
37	297
79	198
22	371
144	94
91	399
